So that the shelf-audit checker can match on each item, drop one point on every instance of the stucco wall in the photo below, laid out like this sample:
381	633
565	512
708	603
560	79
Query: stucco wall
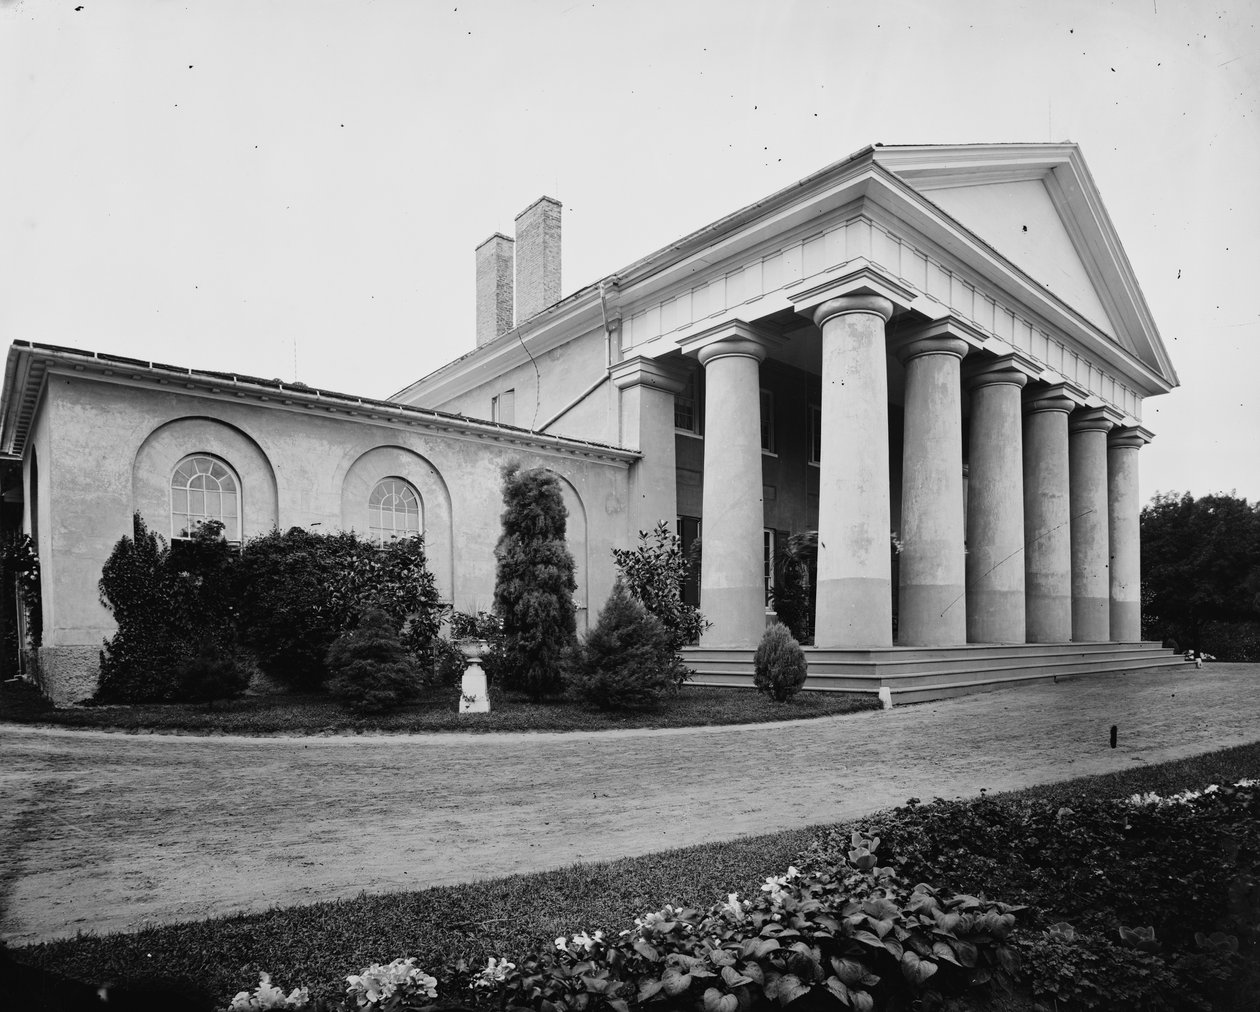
111	450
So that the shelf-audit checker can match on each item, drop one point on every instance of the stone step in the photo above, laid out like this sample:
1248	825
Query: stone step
919	674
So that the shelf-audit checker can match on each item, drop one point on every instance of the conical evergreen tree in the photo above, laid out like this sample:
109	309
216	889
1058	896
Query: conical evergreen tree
626	659
371	669
534	585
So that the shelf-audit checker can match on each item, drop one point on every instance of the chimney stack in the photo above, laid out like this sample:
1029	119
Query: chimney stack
494	288
537	257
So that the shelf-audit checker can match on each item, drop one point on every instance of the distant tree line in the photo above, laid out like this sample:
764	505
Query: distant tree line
1201	574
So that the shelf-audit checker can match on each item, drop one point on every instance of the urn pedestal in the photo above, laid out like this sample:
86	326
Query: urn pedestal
474	694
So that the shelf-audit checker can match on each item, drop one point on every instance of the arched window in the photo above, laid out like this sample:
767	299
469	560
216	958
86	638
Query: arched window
202	489
394	511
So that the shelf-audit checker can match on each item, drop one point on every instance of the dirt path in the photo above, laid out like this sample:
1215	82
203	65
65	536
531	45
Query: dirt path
109	832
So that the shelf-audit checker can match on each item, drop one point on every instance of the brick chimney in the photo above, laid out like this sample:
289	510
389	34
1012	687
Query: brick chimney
537	258
494	288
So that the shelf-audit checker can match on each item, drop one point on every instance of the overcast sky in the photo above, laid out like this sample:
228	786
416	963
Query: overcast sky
295	189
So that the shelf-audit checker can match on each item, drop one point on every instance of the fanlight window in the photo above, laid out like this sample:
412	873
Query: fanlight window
394	511
203	489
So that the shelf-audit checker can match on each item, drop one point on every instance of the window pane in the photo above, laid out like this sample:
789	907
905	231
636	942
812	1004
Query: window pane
214	505
179	500
197	503
229	505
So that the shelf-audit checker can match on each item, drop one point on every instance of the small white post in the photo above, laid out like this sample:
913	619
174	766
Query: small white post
885	697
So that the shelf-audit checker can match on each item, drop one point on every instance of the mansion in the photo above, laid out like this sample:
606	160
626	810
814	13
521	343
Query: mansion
936	357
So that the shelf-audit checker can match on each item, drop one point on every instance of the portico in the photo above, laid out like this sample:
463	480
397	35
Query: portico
1036	545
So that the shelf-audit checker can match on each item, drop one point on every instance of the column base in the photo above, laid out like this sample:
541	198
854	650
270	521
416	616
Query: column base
853	612
738	615
996	616
931	615
1091	620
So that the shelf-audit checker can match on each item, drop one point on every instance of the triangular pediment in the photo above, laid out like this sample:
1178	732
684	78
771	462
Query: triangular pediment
1037	207
1020	221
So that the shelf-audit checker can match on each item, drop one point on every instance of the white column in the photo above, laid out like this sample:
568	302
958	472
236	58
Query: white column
1047	516
1124	507
932	595
854	603
1087	463
995	506
732	577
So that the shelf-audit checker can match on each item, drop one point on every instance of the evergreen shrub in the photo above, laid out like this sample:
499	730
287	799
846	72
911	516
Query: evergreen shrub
779	664
371	670
534	584
212	673
626	659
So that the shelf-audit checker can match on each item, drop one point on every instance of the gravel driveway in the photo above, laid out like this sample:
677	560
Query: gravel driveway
110	832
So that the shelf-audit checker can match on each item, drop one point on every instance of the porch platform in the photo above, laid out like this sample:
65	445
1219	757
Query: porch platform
918	674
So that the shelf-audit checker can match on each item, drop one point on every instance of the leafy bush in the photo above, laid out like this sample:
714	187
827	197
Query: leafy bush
169	602
534	584
212	673
371	669
848	936
795	586
779	664
654	574
19	569
626	659
299	591
1178	880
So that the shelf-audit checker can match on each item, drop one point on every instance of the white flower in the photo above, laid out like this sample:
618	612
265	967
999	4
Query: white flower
495	973
732	908
268	996
562	944
378	983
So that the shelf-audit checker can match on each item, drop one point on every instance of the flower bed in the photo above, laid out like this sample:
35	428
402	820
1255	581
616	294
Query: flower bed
845	932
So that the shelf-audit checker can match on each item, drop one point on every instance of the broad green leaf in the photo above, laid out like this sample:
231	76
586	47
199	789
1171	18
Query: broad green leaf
916	970
647	950
880	909
648	988
968	954
675	982
836	986
733	978
880	928
850	971
943	951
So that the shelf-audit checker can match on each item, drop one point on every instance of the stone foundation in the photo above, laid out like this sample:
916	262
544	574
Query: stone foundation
66	674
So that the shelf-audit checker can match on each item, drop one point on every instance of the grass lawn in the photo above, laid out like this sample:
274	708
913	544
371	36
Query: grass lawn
317	945
694	706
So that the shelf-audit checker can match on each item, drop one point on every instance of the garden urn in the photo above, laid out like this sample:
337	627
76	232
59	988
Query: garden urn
474	695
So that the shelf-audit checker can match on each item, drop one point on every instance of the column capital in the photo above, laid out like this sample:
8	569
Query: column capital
842	305
734	337
855	279
1060	397
1129	437
649	372
1015	369
909	348
949	335
1093	420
